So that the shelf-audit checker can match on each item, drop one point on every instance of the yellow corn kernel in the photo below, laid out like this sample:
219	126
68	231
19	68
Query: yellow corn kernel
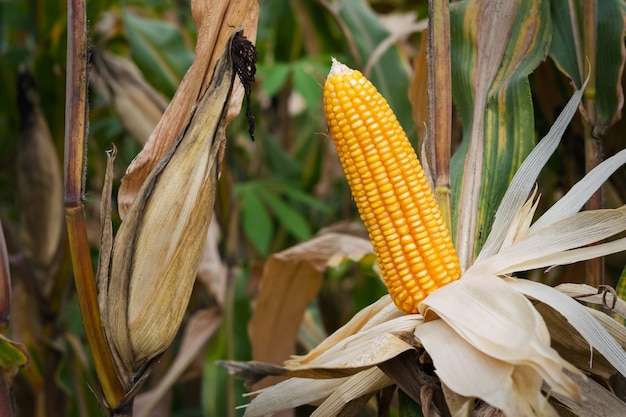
412	244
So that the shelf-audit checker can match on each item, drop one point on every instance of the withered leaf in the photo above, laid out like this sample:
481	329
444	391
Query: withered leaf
252	372
571	345
106	236
295	275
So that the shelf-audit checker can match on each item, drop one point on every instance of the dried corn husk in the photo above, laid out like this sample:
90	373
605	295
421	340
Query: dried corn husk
214	21
138	106
40	184
145	287
5	282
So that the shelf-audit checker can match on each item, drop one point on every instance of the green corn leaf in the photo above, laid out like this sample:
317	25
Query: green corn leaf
491	92
256	221
306	84
290	218
307	73
609	63
280	162
566	52
215	380
389	73
566	49
292	191
273	77
159	50
12	355
408	406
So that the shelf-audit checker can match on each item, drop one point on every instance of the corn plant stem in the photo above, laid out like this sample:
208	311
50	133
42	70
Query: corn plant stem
55	403
594	268
230	208
88	301
593	145
440	104
229	322
74	164
5	284
6	410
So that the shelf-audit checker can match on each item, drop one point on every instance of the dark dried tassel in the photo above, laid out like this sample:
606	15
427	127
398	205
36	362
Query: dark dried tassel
245	56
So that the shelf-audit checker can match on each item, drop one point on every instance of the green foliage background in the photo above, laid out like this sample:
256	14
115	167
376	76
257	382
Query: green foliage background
275	192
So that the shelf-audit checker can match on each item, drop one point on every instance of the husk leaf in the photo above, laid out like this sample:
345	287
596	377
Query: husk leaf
374	314
571	345
291	393
40	185
138	105
294	274
214	22
365	382
500	323
597	400
470	372
561	243
584	323
158	246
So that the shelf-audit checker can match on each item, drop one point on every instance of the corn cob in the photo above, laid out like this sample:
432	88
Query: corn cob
412	244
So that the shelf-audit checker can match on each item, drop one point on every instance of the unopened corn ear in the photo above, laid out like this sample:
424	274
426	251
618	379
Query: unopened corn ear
147	272
411	241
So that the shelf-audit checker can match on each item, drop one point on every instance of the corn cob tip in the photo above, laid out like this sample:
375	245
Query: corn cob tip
337	68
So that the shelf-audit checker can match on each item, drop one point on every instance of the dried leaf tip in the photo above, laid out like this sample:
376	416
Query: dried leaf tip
337	68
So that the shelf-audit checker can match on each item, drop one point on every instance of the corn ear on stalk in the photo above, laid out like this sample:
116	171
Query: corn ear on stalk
146	273
411	241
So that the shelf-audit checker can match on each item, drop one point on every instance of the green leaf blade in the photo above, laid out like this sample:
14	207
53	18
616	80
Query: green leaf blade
159	50
508	118
389	73
287	216
257	223
609	63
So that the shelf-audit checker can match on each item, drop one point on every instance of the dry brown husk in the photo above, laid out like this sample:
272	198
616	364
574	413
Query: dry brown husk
214	21
40	184
138	106
295	274
144	286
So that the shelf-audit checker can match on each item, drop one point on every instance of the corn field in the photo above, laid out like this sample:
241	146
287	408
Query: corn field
326	208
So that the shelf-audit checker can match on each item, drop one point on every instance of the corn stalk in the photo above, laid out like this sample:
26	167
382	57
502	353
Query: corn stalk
76	124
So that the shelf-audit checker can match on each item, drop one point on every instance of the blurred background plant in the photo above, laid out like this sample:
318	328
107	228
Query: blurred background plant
284	217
